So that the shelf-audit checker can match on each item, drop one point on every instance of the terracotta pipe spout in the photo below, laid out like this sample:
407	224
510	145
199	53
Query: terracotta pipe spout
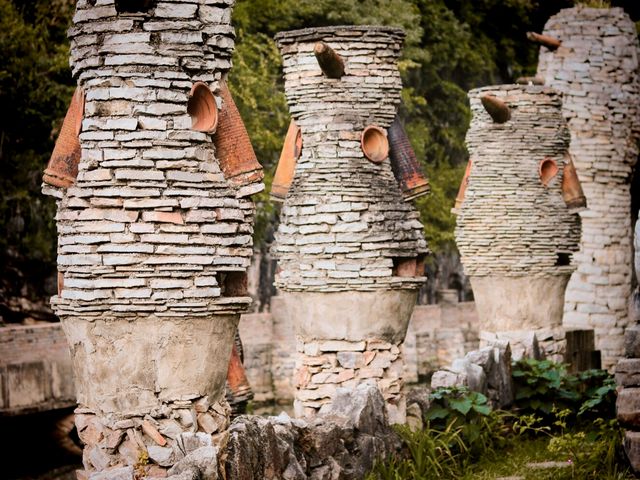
237	378
62	168
237	159
571	188
463	188
331	64
405	165
496	108
291	151
375	144
544	40
547	169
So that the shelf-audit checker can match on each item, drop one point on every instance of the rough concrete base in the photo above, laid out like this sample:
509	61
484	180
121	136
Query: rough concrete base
125	367
352	315
519	303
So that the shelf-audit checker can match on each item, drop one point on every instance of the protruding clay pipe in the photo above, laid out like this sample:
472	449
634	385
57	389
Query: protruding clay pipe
330	62
237	378
547	169
571	188
405	165
496	108
202	108
530	81
463	189
375	144
237	159
62	168
289	155
544	40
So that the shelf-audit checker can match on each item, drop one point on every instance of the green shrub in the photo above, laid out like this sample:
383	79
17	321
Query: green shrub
543	386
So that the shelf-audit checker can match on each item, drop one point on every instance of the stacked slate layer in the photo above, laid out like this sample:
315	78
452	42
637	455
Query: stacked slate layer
596	70
344	218
628	373
515	235
344	226
149	235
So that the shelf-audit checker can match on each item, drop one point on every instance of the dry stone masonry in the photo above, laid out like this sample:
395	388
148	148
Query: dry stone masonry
595	67
514	231
628	373
349	247
154	240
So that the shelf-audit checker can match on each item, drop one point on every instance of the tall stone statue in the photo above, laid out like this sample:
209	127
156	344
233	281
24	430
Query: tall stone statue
350	249
153	173
591	57
517	228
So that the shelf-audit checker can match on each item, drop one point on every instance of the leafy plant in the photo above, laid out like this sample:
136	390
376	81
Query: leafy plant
543	385
480	427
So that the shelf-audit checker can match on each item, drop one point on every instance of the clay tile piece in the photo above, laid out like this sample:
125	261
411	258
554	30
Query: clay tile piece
202	108
375	144
291	151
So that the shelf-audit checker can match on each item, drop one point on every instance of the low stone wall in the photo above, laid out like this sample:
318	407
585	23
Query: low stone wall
35	369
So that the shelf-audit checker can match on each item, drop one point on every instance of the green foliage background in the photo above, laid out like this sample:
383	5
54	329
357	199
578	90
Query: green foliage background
451	46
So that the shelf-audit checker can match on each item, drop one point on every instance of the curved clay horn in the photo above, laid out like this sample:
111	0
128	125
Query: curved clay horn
237	378
404	163
62	168
291	151
375	144
202	108
544	40
330	62
571	188
234	151
547	169
496	108
463	188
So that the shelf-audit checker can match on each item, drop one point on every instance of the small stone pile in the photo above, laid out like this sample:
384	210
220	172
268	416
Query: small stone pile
154	240
349	247
628	374
596	70
515	234
342	442
487	370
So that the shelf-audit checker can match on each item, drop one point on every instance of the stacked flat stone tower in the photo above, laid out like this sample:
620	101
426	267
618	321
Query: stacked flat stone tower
154	239
349	248
515	233
595	67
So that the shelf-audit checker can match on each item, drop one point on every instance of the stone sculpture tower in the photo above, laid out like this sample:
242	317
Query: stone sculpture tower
515	231
592	60
154	233
349	248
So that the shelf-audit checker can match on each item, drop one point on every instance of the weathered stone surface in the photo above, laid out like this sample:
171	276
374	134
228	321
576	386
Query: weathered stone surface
628	372
339	443
628	407
632	341
632	449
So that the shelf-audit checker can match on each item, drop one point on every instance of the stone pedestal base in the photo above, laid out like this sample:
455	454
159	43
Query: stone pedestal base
166	442
323	366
